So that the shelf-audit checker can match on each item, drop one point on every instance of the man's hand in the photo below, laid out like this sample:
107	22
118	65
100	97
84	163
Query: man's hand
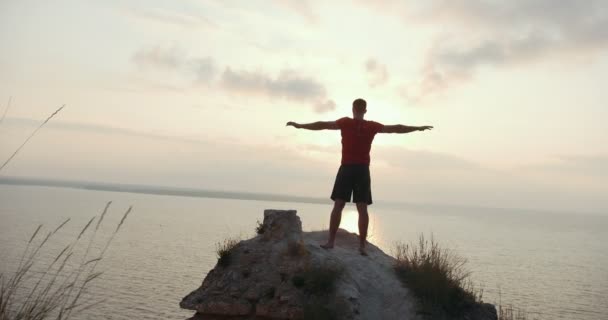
425	128
293	124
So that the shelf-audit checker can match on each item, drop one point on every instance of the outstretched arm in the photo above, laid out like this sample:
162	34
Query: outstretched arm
399	128
319	125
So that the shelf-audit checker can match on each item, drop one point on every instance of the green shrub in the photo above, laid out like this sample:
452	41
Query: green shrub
259	229
270	292
224	251
438	278
317	280
318	308
296	249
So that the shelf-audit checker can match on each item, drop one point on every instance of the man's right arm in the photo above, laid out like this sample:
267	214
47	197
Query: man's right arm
319	125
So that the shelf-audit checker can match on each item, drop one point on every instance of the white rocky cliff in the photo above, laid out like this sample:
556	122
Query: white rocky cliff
283	274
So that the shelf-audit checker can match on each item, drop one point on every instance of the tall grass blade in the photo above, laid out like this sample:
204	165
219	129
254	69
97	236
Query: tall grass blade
61	225
8	105
59	289
34	235
85	228
124	217
92	260
28	246
103	214
60	254
93	276
30	137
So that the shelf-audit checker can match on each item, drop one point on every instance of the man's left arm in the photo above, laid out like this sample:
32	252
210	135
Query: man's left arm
400	128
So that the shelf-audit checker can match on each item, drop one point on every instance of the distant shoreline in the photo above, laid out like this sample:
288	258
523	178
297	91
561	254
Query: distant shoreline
238	195
159	190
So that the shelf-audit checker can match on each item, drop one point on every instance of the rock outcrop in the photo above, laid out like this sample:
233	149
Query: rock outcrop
283	274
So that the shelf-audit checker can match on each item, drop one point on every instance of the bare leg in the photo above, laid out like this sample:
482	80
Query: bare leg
363	224
334	223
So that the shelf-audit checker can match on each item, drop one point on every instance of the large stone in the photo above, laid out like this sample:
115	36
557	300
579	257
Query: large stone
281	224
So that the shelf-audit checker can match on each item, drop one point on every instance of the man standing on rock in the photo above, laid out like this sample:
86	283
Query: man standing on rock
353	177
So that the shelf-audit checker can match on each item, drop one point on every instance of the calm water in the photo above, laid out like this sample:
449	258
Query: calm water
553	265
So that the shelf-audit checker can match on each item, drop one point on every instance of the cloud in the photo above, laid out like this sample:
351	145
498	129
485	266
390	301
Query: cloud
158	57
81	151
301	7
204	69
408	175
590	165
80	127
376	72
594	167
122	155
171	17
288	84
500	33
399	157
172	59
422	160
321	106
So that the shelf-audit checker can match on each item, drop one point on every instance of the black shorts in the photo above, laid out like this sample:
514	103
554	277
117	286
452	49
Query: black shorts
353	179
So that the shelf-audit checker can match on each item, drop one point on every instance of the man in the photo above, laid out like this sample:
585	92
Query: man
353	177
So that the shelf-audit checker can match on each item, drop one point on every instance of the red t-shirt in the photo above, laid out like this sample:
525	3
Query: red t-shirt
357	137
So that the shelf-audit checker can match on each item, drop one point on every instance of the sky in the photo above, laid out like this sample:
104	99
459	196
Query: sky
195	93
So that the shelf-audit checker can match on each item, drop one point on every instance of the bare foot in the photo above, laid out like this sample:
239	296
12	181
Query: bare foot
327	246
362	251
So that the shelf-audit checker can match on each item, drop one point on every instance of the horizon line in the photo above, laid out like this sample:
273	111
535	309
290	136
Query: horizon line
229	194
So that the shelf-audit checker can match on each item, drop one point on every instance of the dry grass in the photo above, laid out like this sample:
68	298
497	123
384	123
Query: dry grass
319	284
319	280
319	308
259	229
509	313
224	251
296	249
58	291
441	281
30	136
8	106
438	277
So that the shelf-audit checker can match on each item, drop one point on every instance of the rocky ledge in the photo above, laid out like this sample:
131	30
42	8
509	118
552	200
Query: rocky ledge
283	274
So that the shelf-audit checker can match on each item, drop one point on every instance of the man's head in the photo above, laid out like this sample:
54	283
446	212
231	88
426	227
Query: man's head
359	108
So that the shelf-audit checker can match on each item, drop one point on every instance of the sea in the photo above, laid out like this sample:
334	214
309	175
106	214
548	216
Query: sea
552	265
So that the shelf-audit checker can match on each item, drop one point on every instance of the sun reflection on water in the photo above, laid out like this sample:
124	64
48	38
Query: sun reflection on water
350	220
350	223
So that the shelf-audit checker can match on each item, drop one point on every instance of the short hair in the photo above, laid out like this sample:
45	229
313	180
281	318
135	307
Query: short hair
359	104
